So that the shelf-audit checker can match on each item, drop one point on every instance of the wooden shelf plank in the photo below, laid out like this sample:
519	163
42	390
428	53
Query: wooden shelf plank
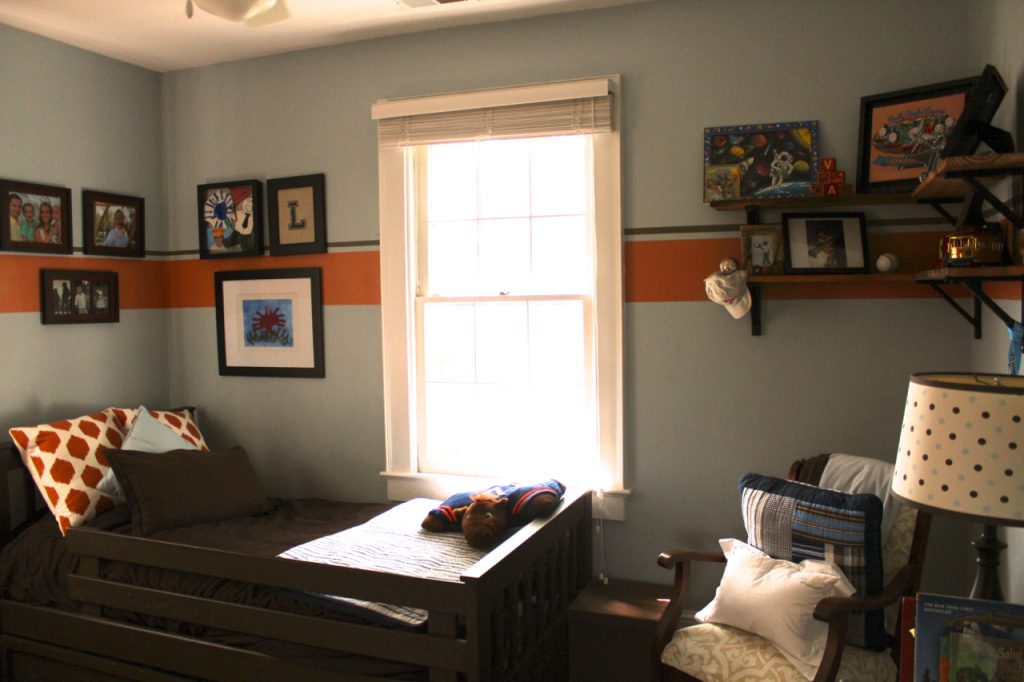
831	279
990	274
813	202
945	182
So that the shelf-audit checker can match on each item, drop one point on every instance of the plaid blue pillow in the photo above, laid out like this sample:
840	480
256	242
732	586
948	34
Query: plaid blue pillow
796	521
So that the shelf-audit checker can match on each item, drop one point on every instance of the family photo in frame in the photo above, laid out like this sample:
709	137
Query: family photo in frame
113	224
39	217
78	296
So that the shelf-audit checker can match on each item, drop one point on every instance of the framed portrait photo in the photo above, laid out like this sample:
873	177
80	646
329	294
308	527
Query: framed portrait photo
270	323
825	243
298	215
113	224
78	296
763	249
38	217
230	219
903	133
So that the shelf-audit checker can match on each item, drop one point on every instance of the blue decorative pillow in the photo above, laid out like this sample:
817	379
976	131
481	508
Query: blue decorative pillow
796	521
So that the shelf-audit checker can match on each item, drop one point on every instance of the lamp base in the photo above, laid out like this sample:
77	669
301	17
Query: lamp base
986	583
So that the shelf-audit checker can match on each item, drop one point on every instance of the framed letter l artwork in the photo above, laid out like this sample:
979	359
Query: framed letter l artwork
270	323
297	215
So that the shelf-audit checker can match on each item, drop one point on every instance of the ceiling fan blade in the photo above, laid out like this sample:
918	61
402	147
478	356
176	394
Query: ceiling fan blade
236	10
188	8
272	15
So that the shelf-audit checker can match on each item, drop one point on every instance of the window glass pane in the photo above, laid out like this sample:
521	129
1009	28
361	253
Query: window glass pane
451	258
504	256
449	340
451	181
502	343
450	435
504	178
560	255
559	177
556	343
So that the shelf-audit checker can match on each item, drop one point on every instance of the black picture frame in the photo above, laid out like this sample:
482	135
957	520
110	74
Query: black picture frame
18	195
101	214
270	322
297	212
230	219
904	132
78	296
974	127
825	243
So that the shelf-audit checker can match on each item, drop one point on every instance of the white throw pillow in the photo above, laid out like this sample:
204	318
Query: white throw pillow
775	599
147	435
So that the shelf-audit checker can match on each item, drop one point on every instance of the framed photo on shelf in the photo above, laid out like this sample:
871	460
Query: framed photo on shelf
825	243
298	215
113	224
903	133
230	219
270	323
763	249
760	160
78	296
38	217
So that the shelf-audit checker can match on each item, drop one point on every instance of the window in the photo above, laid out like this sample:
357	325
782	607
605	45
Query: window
501	287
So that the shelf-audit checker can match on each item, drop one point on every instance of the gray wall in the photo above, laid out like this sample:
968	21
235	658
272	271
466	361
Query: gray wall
704	400
995	39
75	119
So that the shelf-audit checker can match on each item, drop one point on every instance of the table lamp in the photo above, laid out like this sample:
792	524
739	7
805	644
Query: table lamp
961	454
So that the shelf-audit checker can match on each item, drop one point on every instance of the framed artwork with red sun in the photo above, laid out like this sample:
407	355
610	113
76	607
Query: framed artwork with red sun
270	323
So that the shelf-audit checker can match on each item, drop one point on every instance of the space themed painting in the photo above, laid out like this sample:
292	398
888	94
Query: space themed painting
760	160
230	219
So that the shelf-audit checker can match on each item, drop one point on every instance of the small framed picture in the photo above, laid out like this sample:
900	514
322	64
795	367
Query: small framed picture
270	323
113	224
763	249
230	219
39	217
760	160
298	215
78	296
825	243
903	134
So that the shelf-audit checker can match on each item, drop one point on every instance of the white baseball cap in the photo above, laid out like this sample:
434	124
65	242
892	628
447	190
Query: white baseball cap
730	290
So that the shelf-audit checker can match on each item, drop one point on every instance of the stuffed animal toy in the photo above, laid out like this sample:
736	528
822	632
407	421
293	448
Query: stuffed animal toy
483	516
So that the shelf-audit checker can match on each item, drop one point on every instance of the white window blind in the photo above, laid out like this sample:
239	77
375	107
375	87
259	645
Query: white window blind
447	118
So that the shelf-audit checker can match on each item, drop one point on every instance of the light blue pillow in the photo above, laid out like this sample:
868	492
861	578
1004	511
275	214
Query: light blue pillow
147	435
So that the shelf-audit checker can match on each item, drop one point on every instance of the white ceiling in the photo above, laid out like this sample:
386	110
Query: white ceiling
157	35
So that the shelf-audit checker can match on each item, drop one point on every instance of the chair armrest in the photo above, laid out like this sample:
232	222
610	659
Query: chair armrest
679	560
835	611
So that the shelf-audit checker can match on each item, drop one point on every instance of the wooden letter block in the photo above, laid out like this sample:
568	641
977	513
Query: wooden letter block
828	164
817	190
833	189
825	177
838	176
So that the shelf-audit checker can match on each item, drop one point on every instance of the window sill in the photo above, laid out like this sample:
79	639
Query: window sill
608	504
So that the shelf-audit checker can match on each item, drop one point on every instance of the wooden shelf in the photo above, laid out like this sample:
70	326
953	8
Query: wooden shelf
950	179
813	202
981	274
830	279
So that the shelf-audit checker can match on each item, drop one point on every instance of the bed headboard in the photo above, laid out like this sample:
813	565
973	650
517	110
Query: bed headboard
18	497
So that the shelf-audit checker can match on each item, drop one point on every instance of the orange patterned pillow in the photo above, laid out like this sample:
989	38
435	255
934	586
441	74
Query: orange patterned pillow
180	422
66	460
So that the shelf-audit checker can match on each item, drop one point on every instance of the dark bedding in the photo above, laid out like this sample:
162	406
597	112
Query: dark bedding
35	565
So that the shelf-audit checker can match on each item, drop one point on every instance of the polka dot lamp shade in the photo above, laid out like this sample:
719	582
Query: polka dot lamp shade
962	446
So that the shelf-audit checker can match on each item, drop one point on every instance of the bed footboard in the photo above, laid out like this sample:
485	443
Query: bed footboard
499	622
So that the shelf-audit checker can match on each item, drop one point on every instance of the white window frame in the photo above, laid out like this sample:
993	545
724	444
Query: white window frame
398	283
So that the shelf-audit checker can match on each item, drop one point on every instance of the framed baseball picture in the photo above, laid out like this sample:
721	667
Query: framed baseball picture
762	248
825	243
230	219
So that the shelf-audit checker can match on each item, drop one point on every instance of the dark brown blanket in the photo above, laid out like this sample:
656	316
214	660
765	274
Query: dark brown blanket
35	565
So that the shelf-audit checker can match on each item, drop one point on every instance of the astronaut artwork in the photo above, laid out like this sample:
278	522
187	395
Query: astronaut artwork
760	160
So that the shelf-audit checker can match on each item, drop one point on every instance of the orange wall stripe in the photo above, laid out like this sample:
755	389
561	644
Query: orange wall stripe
349	277
141	283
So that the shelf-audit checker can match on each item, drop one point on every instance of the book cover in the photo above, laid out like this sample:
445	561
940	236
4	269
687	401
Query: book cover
908	617
967	640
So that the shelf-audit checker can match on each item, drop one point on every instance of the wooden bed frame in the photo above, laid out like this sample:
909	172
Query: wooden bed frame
504	620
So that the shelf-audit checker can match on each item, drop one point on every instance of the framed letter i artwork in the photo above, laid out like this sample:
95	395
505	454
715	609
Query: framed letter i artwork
297	215
270	323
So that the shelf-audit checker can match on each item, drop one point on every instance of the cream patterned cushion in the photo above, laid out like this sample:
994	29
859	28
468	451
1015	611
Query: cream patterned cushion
719	653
